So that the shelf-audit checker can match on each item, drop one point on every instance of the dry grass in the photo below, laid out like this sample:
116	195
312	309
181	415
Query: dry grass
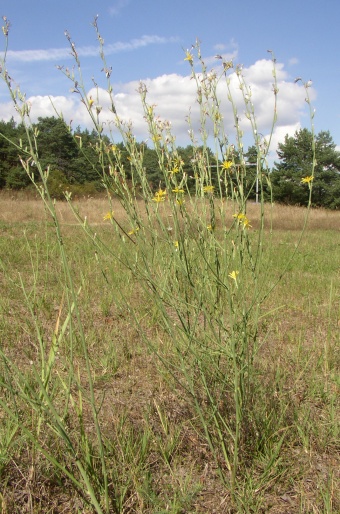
21	208
298	367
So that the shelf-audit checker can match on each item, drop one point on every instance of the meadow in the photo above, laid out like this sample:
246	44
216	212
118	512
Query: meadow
169	347
156	454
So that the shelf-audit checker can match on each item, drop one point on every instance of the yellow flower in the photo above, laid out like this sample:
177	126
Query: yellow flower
208	189
209	227
242	219
175	169
307	180
246	223
133	231
240	216
226	165
159	196
91	102
177	190
160	193
233	276
158	199
179	202
108	216
176	244
189	57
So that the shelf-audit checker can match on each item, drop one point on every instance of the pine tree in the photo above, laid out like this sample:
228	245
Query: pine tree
296	162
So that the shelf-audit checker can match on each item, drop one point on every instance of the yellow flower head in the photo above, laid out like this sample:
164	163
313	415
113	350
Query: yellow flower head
133	231
159	196
242	219
177	190
233	276
108	216
175	169
307	180
246	223
208	189
189	57
161	193
176	244
240	216
226	165
91	101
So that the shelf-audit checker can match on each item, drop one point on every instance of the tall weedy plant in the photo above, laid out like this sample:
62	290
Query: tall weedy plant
190	246
202	268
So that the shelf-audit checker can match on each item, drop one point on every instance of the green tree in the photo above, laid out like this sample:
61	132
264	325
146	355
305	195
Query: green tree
296	161
152	168
57	147
84	166
10	173
256	182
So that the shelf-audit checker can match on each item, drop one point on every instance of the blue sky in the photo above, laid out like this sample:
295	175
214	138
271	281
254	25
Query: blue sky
146	39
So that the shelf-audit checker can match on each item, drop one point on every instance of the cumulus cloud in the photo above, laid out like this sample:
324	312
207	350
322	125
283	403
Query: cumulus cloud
43	106
174	97
278	136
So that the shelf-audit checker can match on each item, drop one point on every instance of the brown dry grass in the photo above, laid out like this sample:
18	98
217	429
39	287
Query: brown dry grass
22	208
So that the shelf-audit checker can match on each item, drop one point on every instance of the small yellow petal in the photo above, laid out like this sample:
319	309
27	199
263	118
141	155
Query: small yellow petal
307	180
108	216
133	231
208	189
226	165
233	275
188	57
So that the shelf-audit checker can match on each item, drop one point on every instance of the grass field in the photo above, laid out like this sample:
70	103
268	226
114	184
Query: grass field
156	455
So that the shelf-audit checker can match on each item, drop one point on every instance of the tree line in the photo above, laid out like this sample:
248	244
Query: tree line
76	167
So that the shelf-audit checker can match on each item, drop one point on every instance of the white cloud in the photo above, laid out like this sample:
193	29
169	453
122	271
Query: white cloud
58	54
118	6
42	106
293	61
174	96
278	136
219	47
227	52
38	55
